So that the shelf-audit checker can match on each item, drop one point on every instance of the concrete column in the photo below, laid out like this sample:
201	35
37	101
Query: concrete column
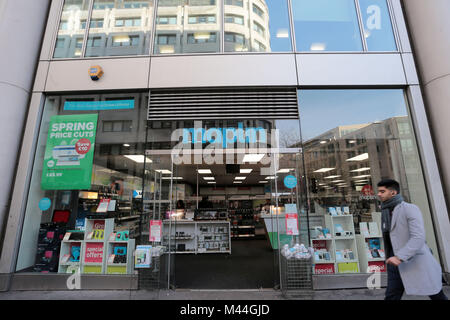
429	29
22	24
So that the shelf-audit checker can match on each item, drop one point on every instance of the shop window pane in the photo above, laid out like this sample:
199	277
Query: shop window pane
199	35
202	2
377	25
67	184
258	11
326	25
268	26
372	138
132	4
167	20
128	20
71	29
107	126
192	38
237	3
117	126
230	18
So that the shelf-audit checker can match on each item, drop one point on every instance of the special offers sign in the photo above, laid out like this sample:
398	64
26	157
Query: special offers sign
69	152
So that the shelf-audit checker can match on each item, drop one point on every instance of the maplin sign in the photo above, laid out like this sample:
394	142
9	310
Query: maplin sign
225	137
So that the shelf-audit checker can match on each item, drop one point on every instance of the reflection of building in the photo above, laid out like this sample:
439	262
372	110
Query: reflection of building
343	160
113	29
194	26
246	26
182	26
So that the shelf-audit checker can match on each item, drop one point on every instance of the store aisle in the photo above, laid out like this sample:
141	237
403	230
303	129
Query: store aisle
250	266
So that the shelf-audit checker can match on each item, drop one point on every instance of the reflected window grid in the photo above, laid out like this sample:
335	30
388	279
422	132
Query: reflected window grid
372	17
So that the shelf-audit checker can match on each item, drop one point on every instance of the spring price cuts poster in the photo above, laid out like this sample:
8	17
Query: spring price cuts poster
69	152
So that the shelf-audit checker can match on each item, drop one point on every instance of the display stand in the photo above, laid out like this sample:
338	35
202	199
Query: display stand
69	263
183	240
213	237
99	252
97	233
120	257
341	247
369	242
198	236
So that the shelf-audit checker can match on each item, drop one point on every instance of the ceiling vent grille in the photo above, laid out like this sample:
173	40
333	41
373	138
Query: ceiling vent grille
255	103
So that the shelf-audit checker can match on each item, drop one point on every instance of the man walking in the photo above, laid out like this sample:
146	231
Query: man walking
410	265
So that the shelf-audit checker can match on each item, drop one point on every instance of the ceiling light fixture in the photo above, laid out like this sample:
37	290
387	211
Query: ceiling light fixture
253	157
362	176
286	170
361	157
324	170
164	171
138	158
332	177
360	170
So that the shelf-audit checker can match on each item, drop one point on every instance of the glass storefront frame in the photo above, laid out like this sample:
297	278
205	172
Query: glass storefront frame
291	34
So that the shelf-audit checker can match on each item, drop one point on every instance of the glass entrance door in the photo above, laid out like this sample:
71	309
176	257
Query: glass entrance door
244	174
159	202
287	219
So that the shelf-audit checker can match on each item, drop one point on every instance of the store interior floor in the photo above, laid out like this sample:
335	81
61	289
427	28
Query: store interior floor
249	266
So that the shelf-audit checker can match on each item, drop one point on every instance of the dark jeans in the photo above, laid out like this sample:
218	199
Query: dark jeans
395	289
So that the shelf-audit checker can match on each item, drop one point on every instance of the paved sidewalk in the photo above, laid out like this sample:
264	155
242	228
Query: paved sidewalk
355	294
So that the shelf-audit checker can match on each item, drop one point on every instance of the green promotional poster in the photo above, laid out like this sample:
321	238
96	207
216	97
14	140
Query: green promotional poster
69	152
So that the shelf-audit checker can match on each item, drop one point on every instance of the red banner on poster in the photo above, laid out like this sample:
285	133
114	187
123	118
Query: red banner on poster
94	252
155	230
291	224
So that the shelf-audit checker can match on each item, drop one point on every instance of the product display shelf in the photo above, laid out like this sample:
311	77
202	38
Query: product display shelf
112	264
183	238
325	244
366	260
213	237
343	243
65	255
94	255
193	237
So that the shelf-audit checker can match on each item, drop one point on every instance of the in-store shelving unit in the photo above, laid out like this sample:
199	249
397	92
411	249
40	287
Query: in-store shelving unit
337	253
371	245
97	251
197	236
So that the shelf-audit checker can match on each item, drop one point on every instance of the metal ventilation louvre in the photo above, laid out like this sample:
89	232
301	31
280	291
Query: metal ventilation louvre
255	103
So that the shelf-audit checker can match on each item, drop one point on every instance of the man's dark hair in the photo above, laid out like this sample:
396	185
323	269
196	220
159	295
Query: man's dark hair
389	184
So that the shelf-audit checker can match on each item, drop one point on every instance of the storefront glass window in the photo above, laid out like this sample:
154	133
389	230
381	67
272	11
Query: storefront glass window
71	29
120	28
242	194
326	25
194	28
377	25
351	140
87	172
264	27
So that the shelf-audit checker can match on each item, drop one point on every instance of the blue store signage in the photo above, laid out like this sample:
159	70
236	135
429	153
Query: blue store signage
45	204
98	105
290	181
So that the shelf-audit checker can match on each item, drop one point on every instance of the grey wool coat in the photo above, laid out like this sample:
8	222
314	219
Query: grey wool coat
420	272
